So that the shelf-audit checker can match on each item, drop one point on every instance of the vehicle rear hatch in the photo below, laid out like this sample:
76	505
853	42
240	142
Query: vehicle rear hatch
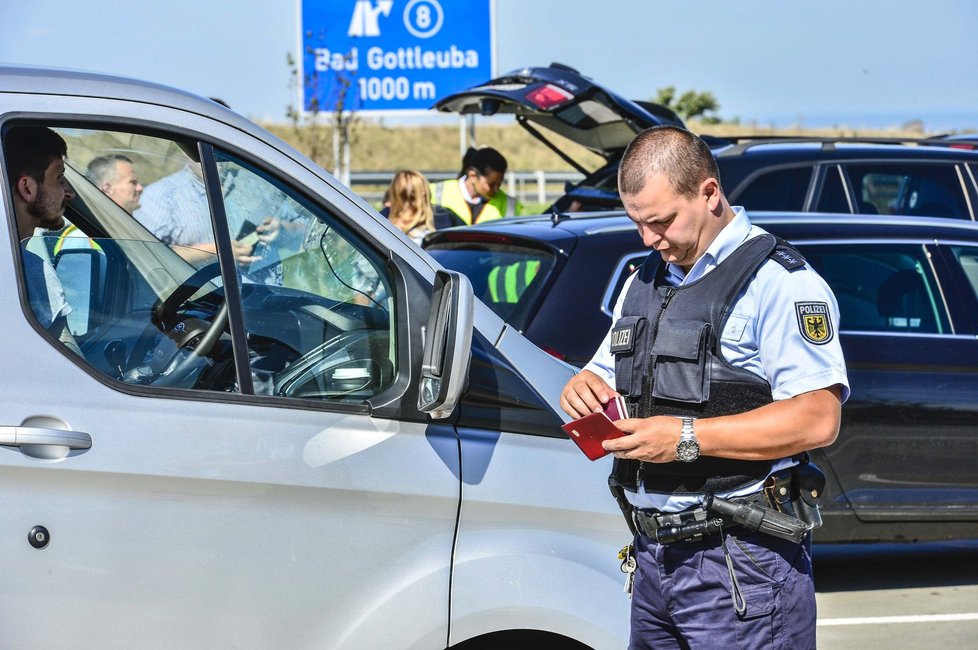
560	100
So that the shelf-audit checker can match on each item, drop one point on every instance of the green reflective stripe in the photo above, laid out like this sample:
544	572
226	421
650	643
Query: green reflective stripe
493	288
518	278
70	232
512	282
529	272
507	283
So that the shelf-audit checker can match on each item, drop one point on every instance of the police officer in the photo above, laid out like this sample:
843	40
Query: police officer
475	196
725	348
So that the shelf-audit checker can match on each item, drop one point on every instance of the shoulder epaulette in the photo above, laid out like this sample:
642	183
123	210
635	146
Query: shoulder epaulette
787	255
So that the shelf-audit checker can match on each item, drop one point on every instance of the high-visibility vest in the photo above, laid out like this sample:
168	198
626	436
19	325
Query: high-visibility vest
507	283
449	195
72	237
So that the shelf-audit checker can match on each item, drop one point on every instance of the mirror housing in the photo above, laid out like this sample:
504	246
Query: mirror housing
82	275
447	345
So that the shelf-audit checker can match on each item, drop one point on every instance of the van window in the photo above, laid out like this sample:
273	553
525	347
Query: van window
130	283
317	304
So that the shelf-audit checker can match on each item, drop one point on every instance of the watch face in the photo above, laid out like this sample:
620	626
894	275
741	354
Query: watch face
688	450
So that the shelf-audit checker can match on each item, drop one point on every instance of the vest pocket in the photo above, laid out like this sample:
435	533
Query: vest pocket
680	371
628	344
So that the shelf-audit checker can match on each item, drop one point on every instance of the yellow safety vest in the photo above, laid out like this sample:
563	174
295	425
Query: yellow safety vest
507	283
449	195
72	237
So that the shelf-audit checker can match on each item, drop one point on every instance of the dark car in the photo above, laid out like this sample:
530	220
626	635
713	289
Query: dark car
928	176
907	288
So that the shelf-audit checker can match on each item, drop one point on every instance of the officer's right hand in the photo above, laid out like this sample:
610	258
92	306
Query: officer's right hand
584	394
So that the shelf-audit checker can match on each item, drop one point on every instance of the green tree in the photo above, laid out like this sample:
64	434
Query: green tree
690	105
311	133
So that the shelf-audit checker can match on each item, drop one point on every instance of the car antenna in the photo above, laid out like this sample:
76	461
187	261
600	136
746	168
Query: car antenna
556	216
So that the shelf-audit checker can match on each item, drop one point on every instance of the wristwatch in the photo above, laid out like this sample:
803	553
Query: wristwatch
688	447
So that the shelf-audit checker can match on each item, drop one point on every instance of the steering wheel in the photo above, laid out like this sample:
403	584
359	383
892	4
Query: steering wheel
191	346
164	312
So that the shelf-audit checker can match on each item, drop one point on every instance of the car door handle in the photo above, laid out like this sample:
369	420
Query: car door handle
41	437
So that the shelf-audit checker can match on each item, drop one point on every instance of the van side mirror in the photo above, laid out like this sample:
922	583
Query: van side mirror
82	274
447	345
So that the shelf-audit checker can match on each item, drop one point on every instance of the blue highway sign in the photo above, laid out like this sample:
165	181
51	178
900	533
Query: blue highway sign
393	55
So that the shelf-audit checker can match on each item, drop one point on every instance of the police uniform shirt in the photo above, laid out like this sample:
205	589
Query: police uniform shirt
770	332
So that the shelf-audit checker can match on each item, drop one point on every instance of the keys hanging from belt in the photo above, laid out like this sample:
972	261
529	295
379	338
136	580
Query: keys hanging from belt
628	566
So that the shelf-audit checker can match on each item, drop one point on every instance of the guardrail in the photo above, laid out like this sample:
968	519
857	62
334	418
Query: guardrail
529	186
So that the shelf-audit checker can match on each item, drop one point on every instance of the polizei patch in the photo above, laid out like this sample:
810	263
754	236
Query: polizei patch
623	338
814	322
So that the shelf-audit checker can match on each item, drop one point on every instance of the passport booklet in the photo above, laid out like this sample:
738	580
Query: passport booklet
589	431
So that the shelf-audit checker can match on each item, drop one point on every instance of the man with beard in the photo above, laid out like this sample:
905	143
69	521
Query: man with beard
36	168
115	175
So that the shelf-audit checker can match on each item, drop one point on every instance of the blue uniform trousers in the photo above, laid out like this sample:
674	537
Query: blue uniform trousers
682	598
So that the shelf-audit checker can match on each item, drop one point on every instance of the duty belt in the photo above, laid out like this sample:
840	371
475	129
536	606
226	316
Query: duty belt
765	511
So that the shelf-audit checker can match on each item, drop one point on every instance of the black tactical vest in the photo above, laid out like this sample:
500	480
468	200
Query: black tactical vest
668	362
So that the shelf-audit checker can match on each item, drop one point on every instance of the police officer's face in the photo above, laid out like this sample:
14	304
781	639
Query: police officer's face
680	228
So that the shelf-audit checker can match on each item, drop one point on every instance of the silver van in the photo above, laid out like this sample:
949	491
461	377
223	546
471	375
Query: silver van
277	421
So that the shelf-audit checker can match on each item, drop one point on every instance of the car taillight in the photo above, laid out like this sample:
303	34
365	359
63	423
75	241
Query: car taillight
555	353
474	237
549	96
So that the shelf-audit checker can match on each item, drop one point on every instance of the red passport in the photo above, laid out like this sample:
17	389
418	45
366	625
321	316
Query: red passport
589	431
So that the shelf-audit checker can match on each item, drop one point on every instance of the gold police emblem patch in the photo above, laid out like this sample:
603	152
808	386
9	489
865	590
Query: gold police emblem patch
814	322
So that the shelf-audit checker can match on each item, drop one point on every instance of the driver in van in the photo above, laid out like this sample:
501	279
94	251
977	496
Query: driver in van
36	169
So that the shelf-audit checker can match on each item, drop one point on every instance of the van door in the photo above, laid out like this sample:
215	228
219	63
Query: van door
258	473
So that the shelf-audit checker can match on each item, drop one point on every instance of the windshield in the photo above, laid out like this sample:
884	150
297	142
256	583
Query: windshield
509	278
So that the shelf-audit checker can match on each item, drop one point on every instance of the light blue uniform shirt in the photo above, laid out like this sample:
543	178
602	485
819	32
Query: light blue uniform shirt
763	335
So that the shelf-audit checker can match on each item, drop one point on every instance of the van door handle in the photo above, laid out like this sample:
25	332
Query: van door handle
42	442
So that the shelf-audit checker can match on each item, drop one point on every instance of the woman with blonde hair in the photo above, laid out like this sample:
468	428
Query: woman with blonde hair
410	208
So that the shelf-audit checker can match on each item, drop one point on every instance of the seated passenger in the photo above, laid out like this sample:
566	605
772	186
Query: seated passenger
175	209
36	168
115	175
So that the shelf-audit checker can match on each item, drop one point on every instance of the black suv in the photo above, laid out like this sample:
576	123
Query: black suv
931	177
907	287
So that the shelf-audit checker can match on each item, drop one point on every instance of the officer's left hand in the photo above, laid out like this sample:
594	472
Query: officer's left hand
652	440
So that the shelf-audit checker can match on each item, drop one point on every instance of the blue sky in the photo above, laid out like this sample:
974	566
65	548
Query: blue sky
831	62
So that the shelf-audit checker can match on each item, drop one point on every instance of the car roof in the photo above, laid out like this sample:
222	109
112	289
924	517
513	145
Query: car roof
556	231
78	83
819	149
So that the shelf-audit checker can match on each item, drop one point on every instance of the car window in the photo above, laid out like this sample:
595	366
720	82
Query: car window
625	268
931	190
882	287
136	278
967	256
317	305
508	277
833	198
780	189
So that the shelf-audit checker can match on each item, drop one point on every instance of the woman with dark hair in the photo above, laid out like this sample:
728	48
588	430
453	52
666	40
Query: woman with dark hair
475	196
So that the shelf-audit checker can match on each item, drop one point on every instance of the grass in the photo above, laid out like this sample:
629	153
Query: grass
380	147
